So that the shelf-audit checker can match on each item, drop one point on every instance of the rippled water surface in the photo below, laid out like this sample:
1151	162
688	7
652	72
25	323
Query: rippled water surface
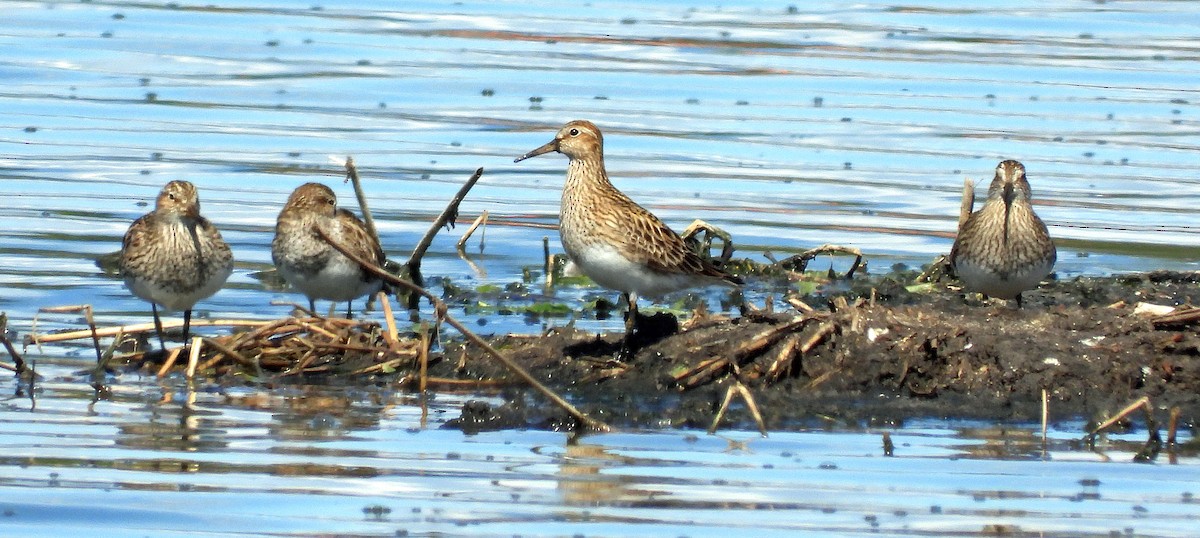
172	459
787	125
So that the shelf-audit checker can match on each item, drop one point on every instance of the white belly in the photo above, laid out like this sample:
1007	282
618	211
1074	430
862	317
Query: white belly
340	280
983	280
608	268
175	299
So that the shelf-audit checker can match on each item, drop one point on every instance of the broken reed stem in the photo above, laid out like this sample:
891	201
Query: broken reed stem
443	314
802	306
739	389
1144	401
221	348
752	406
1045	413
193	357
784	357
445	219
392	336
172	356
88	317
423	380
313	328
1186	316
707	368
721	412
547	262
480	220
1173	425
784	362
141	327
352	175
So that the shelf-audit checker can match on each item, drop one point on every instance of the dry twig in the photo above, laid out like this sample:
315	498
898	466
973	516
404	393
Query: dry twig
481	220
800	261
446	219
1186	316
739	389
39	339
705	245
352	175
87	313
1140	403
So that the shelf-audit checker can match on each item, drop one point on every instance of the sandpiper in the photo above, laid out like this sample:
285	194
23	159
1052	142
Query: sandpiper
613	240
174	257
309	263
1004	248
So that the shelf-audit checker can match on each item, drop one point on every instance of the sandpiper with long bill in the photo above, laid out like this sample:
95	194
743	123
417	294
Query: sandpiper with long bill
614	241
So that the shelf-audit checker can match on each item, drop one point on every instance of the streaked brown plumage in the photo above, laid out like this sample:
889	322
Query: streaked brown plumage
614	241
174	257
1004	248
309	263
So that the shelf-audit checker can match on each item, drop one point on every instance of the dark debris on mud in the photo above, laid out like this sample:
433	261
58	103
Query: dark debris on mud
874	354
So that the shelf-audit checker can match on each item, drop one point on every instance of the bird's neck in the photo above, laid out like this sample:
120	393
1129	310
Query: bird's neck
585	174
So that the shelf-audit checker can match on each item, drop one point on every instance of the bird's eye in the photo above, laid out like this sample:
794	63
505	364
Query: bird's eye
171	195
574	132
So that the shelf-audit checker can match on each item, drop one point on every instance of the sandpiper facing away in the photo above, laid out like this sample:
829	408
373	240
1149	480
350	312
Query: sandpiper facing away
1004	248
613	240
309	263
174	257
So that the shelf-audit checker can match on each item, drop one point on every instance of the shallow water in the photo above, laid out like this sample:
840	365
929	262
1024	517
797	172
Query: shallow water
172	459
849	123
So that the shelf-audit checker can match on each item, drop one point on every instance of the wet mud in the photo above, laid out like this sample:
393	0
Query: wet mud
867	350
873	353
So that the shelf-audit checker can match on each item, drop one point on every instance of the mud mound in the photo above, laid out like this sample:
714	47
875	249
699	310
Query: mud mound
936	354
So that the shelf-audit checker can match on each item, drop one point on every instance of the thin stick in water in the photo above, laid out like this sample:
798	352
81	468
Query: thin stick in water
481	220
444	220
352	175
193	357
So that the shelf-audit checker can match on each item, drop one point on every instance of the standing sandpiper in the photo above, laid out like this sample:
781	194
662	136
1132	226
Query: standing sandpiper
309	263
174	257
614	241
1003	249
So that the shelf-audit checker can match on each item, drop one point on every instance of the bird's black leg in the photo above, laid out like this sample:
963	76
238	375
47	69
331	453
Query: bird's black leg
158	327
631	314
187	322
